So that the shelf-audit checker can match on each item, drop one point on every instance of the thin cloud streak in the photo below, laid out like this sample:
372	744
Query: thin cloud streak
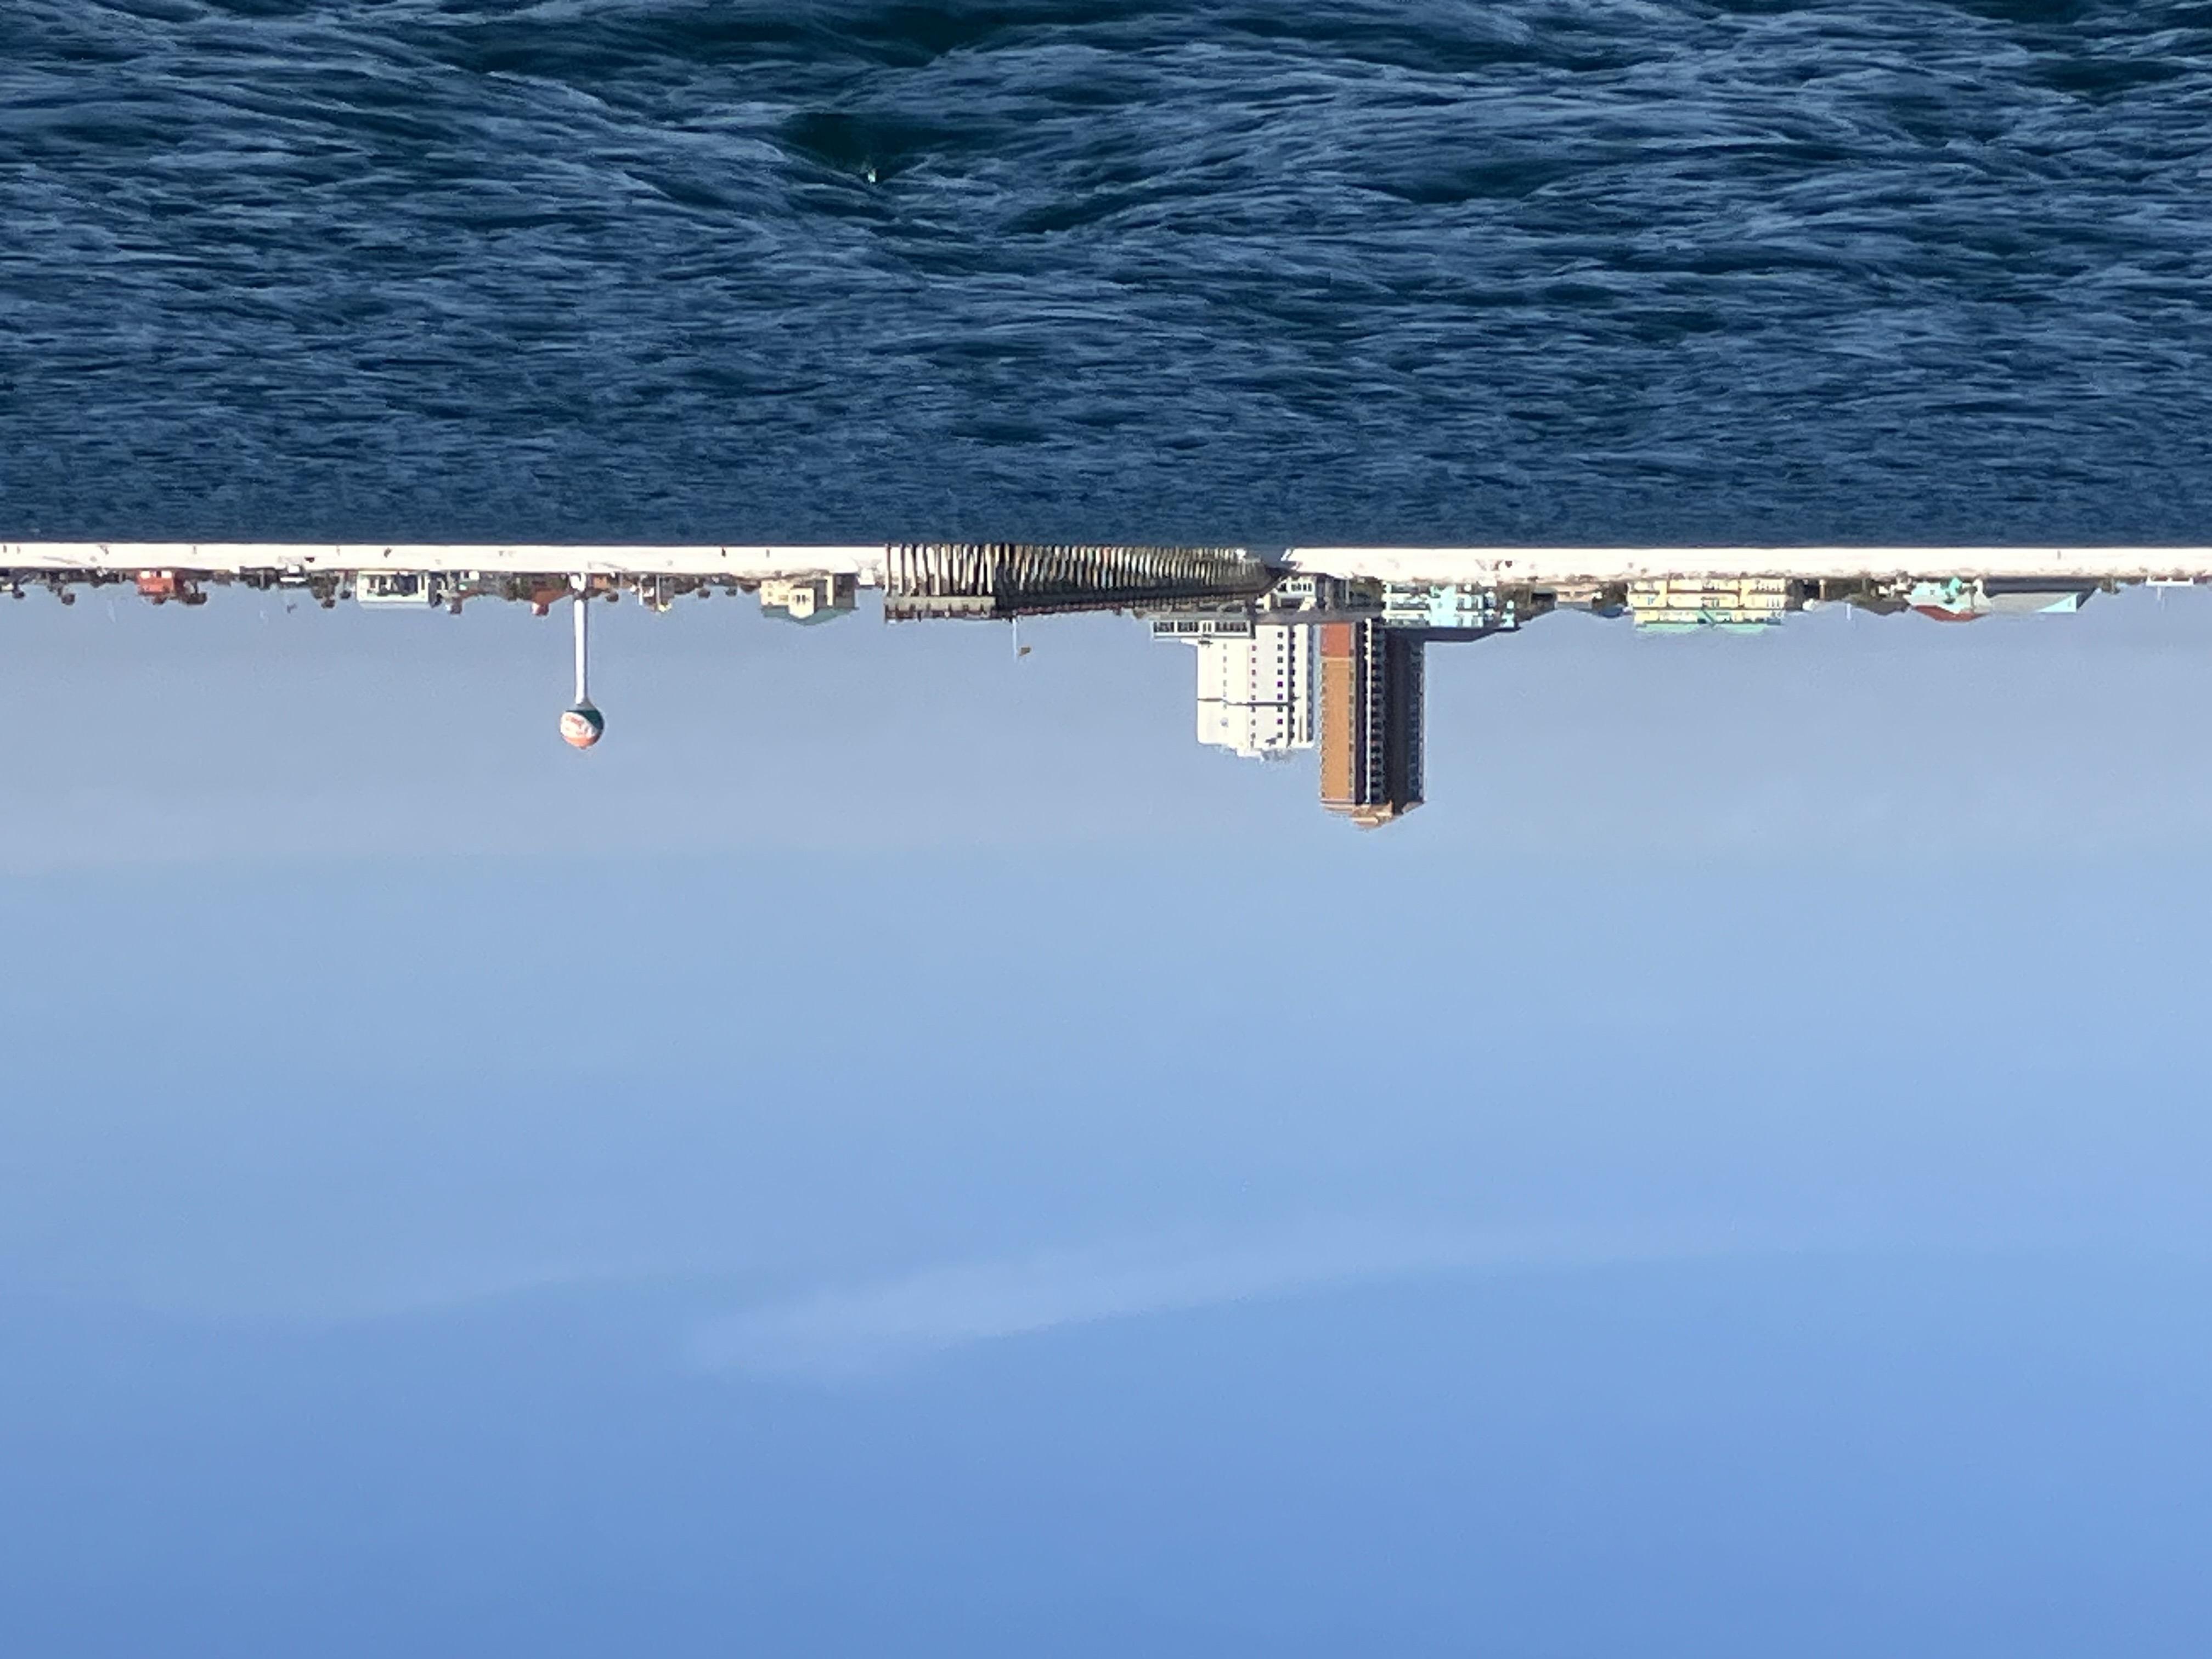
873	1326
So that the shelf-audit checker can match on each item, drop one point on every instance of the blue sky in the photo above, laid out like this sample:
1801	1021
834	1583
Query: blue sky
900	1150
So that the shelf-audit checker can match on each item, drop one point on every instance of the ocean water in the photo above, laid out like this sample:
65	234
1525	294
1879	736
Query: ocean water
1211	270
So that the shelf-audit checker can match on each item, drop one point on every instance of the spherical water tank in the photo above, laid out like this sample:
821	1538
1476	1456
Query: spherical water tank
582	726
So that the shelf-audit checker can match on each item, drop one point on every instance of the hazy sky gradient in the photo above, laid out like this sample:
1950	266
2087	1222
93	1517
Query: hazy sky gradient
900	1150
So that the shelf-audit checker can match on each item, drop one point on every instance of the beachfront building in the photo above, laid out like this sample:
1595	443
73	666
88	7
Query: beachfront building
1255	684
820	596
1372	719
1738	604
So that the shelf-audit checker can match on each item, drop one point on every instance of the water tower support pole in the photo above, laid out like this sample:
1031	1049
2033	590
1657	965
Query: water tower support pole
582	603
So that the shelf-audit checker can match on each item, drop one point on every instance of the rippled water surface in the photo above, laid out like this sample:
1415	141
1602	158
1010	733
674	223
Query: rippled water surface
1377	269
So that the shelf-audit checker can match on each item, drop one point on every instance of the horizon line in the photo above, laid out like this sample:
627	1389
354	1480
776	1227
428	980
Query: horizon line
1488	565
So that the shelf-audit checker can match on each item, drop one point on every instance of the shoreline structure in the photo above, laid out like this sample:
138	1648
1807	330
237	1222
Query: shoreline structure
870	563
1298	648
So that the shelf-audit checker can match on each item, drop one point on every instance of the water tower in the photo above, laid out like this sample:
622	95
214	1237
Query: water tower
581	723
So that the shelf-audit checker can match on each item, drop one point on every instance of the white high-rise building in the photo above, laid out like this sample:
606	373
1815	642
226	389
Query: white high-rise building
1255	690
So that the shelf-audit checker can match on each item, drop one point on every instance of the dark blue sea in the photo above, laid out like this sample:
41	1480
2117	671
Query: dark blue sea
1195	269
